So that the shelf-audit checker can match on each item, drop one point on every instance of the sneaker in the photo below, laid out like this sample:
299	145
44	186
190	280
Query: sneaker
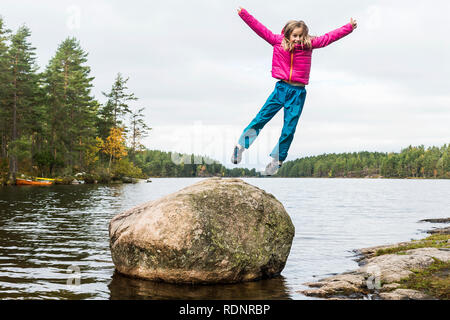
237	154
272	167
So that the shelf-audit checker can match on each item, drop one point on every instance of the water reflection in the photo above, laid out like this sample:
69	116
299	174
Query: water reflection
122	287
44	231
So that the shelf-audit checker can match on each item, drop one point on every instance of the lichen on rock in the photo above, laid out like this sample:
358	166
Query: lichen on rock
379	275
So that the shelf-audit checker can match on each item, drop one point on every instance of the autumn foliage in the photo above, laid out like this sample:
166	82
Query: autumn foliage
114	146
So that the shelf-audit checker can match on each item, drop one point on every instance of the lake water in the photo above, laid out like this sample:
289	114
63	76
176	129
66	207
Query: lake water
52	236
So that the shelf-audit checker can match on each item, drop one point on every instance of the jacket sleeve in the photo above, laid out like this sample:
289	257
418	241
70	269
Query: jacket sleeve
332	36
258	27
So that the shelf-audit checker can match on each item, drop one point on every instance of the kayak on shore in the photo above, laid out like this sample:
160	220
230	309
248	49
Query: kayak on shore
37	182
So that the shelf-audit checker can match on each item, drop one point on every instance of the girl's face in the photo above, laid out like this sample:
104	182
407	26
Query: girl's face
295	35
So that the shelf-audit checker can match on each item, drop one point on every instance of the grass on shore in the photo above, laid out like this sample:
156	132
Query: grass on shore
433	241
434	280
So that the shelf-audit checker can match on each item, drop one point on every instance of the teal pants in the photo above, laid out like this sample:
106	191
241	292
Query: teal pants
292	98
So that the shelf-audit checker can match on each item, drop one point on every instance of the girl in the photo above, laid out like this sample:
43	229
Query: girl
291	64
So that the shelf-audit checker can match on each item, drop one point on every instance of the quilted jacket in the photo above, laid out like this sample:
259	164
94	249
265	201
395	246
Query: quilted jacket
295	65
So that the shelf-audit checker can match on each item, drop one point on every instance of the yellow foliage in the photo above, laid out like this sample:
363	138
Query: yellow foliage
114	146
91	152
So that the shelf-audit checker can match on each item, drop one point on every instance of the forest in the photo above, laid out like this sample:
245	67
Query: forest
411	162
51	125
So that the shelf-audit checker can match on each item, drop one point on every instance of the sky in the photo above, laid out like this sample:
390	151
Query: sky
202	74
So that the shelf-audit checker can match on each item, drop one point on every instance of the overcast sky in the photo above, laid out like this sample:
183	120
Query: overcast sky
203	75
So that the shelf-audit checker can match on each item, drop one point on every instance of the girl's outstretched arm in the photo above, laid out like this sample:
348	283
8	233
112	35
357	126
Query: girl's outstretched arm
332	36
258	27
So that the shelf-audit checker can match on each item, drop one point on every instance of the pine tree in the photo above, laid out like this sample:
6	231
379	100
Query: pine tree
112	114
5	90
139	130
70	107
24	79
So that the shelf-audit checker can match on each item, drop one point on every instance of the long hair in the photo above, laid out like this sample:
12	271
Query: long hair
305	38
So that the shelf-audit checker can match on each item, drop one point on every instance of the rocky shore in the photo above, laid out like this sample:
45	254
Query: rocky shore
413	270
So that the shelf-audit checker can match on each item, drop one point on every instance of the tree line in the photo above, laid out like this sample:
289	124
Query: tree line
155	163
414	162
411	162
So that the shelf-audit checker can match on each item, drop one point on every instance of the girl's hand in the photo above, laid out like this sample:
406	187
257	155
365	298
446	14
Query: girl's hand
354	24
239	10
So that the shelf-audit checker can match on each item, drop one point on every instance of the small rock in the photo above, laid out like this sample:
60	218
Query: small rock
370	252
393	267
439	220
440	231
390	286
347	283
405	294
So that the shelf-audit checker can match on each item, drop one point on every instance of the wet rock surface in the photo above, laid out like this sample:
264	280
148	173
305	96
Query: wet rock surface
444	230
215	231
439	231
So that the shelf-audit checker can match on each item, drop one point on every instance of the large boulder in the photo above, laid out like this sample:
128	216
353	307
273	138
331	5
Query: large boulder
215	231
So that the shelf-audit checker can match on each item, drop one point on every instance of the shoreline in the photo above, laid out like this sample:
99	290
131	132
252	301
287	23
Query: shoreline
411	270
71	181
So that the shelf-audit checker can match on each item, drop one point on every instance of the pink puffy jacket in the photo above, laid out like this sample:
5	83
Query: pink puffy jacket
296	65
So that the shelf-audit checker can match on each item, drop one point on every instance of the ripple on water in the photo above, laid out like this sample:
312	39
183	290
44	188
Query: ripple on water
51	235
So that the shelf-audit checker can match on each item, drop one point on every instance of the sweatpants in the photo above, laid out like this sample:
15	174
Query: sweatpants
292	98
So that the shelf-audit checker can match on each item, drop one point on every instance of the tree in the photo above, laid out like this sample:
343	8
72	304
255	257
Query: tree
91	152
139	130
24	87
125	168
70	108
116	108
114	145
5	91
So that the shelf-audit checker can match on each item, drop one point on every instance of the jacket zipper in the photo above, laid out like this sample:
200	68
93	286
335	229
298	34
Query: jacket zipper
292	63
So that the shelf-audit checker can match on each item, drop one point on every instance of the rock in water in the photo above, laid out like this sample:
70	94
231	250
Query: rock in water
214	231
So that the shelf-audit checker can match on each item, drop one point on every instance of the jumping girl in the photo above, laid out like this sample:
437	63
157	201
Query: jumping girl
291	64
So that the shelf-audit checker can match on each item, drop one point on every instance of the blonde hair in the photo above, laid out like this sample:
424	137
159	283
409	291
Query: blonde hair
305	38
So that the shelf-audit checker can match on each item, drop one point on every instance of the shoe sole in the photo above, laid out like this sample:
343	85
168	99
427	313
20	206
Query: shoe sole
234	159
271	174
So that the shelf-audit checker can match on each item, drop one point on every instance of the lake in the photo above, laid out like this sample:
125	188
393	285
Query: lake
54	241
